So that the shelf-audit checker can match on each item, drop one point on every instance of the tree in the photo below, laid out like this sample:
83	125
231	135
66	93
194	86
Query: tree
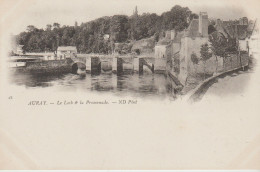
119	27
31	28
220	46
48	27
211	29
56	25
87	37
205	55
177	18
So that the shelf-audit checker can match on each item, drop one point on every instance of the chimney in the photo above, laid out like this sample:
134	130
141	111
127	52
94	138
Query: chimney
245	20
203	24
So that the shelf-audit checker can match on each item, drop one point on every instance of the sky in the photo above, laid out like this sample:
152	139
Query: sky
39	13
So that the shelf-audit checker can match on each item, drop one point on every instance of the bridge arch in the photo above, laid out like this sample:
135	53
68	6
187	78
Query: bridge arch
78	65
143	62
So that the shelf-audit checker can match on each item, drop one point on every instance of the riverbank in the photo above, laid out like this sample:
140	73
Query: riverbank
49	67
198	93
233	84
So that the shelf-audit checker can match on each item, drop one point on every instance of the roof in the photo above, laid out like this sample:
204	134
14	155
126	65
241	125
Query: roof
66	48
160	45
231	29
242	31
164	41
252	28
193	29
220	27
237	30
178	37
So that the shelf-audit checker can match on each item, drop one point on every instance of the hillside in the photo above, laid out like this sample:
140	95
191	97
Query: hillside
100	35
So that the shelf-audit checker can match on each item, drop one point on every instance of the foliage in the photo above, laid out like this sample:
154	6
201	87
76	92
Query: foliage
220	45
205	55
211	29
89	37
123	48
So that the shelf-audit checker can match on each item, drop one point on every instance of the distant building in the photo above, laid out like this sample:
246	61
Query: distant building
170	34
161	51
253	40
19	50
240	31
66	52
164	47
243	21
106	37
135	12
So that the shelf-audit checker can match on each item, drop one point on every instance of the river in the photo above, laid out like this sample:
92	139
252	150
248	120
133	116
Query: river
145	86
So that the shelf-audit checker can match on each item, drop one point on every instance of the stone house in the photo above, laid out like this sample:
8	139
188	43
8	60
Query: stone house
161	51
182	44
170	34
248	42
190	42
164	46
238	30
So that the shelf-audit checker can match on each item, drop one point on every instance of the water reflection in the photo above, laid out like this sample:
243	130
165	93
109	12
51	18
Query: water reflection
137	85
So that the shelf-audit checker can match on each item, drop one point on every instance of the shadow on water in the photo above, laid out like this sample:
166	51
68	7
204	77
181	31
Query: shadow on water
32	80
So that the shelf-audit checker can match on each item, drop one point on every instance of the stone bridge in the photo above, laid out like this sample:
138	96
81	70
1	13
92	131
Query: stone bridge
118	64
78	63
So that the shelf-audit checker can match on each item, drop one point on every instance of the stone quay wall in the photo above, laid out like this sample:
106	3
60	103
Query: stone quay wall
48	67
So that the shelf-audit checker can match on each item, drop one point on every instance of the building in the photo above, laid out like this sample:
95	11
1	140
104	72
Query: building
253	40
244	34
190	42
182	44
243	21
19	50
163	48
106	37
161	51
170	34
240	31
66	52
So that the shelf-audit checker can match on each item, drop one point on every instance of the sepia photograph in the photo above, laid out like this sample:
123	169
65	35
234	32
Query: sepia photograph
178	52
129	84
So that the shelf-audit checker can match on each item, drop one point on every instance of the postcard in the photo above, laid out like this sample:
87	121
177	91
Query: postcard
129	84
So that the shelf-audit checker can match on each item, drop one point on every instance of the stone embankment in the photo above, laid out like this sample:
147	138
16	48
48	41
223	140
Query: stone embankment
197	93
48	67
